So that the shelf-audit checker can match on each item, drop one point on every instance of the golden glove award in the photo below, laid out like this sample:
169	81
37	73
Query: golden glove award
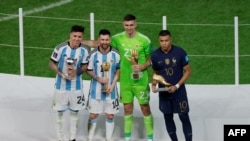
134	61
161	80
105	67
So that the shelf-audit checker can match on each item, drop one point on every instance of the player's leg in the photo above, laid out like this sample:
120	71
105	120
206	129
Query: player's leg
127	99
186	125
59	104
59	125
76	103
92	126
73	124
110	124
170	125
110	109
142	95
95	108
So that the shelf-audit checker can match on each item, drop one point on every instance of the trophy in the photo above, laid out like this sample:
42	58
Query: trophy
70	68
134	61
105	67
161	80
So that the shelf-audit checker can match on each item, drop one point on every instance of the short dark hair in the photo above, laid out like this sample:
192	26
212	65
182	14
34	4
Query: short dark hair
164	33
104	32
129	17
77	28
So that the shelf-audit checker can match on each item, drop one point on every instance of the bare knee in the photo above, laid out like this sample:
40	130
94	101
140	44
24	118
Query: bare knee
93	116
109	116
145	108
128	108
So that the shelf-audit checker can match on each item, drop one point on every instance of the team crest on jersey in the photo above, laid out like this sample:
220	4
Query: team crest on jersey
137	45
174	61
167	61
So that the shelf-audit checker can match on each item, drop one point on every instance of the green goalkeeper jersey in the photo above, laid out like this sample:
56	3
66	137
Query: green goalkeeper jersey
125	45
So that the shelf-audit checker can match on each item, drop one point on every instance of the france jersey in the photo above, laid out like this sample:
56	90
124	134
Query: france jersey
61	54
96	58
170	66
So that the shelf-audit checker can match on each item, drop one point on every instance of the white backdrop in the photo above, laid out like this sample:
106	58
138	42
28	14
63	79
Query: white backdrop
26	114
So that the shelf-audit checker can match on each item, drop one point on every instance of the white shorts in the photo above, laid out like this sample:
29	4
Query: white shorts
97	106
64	100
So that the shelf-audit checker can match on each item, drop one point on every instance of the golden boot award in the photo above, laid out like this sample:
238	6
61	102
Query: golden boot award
161	80
134	61
105	67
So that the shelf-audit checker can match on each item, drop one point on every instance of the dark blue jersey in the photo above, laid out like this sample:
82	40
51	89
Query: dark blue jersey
170	66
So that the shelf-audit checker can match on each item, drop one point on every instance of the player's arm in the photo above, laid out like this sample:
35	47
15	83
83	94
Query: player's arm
141	67
90	43
154	82
53	66
91	74
116	78
186	75
146	64
82	69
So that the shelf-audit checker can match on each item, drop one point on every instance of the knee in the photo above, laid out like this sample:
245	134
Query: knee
145	109
93	116
110	116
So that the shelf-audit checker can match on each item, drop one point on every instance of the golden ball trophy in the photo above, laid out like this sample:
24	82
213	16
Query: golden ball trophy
105	67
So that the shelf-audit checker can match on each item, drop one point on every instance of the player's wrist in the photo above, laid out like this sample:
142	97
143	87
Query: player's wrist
79	71
177	86
95	77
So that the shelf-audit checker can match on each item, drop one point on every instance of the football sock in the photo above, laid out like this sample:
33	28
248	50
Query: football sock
128	122
149	125
91	127
73	124
186	125
109	128
170	125
59	125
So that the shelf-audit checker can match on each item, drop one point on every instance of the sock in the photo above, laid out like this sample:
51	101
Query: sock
149	125
186	125
128	122
59	125
109	128
73	124
91	127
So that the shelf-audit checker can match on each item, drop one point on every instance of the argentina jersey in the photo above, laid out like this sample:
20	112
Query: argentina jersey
95	61
61	54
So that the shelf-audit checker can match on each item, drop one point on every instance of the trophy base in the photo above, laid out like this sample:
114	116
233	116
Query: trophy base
164	89
136	76
104	90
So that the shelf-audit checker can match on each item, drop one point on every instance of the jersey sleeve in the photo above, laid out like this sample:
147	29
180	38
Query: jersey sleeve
56	55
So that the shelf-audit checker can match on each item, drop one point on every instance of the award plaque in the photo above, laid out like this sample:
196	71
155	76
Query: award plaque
161	80
105	67
134	61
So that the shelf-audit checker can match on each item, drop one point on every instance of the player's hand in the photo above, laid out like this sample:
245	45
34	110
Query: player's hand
154	89
136	68
172	89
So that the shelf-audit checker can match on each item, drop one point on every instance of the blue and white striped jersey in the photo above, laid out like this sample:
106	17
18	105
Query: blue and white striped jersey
96	58
61	54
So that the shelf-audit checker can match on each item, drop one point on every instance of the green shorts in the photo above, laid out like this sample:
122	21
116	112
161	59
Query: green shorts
128	92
